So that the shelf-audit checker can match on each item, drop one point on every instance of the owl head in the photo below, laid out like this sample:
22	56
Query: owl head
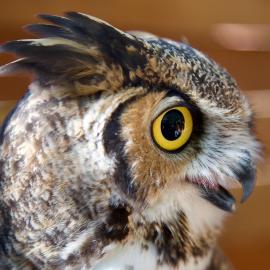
146	112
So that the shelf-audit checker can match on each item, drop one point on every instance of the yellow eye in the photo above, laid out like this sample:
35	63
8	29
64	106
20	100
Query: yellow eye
172	129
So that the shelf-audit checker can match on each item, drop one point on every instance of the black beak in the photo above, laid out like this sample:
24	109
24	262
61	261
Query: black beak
246	176
221	198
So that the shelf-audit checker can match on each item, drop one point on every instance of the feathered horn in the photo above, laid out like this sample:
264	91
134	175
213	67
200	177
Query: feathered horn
79	49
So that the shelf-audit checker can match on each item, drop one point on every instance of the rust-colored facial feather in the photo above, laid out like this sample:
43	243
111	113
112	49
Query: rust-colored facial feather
150	167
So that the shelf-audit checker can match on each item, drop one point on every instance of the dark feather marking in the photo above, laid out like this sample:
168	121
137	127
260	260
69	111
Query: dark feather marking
174	242
115	227
58	20
112	42
92	79
112	227
77	28
57	62
114	144
4	228
76	33
48	30
38	51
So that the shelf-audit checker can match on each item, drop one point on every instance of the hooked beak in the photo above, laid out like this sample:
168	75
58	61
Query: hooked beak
222	198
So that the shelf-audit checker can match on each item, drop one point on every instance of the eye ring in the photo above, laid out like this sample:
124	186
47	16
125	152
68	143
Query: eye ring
172	129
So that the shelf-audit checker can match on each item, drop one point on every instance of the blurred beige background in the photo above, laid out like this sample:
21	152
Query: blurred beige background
235	33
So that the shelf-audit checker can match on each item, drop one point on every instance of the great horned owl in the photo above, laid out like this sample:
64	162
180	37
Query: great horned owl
119	155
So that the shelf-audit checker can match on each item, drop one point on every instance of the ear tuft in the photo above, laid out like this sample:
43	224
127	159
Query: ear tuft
78	48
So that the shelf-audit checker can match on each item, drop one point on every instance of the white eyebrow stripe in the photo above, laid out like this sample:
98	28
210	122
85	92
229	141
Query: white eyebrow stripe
165	104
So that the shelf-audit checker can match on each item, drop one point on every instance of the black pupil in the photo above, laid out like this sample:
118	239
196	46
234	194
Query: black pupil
172	125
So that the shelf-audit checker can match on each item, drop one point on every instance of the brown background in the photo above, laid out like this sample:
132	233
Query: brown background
246	237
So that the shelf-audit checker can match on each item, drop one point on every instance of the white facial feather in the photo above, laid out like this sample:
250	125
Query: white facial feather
132	257
222	148
183	197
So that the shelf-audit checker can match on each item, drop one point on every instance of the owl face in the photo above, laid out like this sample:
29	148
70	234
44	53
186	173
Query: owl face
163	113
163	137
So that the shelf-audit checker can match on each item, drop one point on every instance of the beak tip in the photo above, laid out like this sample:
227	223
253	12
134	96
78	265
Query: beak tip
247	179
247	190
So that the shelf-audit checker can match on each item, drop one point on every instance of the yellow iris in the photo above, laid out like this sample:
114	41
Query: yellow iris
172	129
